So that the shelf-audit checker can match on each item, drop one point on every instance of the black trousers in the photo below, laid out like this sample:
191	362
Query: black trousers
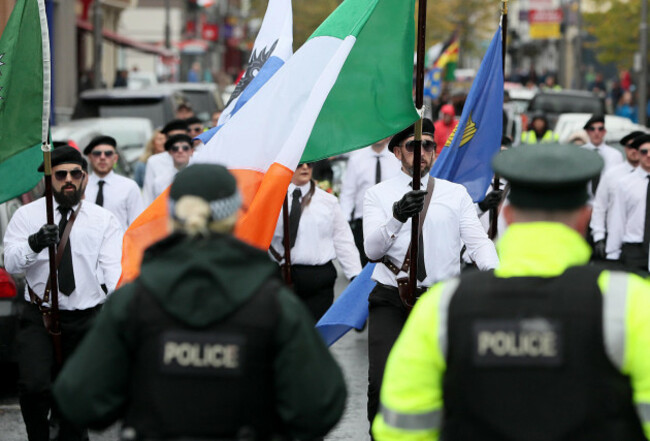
315	286
386	318
36	367
634	258
357	232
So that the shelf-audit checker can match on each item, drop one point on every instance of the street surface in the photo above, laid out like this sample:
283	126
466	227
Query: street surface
351	353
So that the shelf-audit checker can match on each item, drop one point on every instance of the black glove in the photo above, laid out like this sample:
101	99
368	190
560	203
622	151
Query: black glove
46	236
410	205
599	249
492	200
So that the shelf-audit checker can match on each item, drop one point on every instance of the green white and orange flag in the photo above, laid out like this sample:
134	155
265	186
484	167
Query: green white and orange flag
24	100
348	86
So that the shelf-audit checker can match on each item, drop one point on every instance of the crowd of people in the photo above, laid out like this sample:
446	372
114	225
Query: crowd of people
228	330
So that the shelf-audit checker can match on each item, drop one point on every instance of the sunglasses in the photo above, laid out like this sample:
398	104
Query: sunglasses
98	153
593	129
61	175
644	152
176	148
428	146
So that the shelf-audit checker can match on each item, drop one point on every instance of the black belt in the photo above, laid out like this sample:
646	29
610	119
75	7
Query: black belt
418	291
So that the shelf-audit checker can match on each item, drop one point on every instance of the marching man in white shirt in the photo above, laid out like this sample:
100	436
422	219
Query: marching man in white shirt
596	132
601	216
629	234
366	167
118	194
450	221
318	233
93	249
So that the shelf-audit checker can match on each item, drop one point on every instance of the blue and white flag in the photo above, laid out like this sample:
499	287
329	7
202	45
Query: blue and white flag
467	156
466	160
273	47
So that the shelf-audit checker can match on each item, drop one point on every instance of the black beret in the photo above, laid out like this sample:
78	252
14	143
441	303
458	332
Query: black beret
627	138
193	120
64	155
594	119
548	176
427	129
212	183
177	138
175	124
640	140
99	140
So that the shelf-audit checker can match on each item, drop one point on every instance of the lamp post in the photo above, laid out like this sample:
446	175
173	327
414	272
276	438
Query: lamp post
97	43
643	49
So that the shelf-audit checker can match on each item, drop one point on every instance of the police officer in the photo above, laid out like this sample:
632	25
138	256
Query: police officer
539	131
544	347
206	343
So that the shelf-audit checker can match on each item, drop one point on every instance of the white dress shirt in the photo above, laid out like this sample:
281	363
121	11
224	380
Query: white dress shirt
451	221
628	212
601	216
96	242
162	181
610	155
360	176
157	165
323	234
121	196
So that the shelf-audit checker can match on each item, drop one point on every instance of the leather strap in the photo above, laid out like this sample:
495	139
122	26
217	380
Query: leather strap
59	255
423	214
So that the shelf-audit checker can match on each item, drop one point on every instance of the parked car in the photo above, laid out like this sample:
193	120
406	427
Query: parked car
158	104
131	135
616	126
553	103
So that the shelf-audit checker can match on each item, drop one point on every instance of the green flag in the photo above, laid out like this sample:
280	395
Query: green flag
21	100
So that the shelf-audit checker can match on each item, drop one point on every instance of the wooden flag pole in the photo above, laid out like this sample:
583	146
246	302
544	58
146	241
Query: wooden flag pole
496	185
417	151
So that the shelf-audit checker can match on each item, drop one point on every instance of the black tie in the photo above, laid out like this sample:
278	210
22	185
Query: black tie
294	216
378	171
100	194
646	227
66	273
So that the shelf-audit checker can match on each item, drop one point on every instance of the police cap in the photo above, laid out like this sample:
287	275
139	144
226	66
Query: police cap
548	176
427	129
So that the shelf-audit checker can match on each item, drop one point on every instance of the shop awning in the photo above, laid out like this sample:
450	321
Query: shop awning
121	40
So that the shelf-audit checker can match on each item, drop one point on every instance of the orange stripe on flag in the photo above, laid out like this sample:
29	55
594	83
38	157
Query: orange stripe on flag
256	227
147	229
262	194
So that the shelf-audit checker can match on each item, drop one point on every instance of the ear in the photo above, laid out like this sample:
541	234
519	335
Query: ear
398	152
508	214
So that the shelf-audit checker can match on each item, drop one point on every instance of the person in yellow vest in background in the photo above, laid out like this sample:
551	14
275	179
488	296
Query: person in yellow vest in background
539	131
545	346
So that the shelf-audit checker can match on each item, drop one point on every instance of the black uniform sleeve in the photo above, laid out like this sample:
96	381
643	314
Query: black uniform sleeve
309	384
92	388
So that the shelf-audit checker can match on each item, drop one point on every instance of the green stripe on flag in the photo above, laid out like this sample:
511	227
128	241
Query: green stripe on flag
372	97
20	172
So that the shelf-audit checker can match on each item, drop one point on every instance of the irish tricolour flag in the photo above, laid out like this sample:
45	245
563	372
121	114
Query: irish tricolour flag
348	86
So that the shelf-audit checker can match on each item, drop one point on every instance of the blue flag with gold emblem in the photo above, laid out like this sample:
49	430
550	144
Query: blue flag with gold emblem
467	155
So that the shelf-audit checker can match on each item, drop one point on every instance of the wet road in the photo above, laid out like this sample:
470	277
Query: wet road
351	353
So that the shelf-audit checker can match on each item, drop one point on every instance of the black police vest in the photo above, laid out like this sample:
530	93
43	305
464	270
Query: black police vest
214	382
526	361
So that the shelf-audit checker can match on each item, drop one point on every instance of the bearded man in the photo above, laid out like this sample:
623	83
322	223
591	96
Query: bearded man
449	222
92	252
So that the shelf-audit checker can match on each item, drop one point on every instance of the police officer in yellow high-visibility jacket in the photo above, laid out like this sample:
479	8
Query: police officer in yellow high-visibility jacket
545	347
539	131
